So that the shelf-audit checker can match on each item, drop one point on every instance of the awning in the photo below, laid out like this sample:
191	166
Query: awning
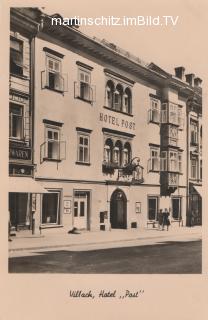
198	189
25	185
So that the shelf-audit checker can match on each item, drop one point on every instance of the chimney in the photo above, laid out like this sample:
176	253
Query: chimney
180	73
190	79
197	82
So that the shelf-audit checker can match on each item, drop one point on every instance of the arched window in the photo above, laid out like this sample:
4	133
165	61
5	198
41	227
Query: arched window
126	153
108	151
109	94
118	98
127	101
117	153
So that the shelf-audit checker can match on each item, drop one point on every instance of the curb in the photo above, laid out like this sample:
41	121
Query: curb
95	243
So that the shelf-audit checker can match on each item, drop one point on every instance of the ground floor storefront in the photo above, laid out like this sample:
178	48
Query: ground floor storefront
93	206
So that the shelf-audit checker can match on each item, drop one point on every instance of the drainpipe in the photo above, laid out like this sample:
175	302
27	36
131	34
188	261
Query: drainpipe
187	164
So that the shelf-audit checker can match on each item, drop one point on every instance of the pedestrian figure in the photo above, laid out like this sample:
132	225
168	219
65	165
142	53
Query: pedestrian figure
166	221
160	219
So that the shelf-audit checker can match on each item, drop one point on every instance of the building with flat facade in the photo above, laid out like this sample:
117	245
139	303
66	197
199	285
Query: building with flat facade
109	147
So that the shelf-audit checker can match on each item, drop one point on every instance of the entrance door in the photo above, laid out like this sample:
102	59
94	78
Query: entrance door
176	208
195	210
80	210
152	208
118	208
20	210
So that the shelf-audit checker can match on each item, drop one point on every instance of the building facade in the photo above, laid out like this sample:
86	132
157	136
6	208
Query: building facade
110	134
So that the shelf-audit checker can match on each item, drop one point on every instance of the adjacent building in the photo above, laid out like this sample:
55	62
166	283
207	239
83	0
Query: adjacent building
109	135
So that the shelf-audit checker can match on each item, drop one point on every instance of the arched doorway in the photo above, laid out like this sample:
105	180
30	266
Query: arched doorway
118	210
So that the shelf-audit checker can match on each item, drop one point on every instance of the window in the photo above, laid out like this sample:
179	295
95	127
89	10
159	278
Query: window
200	170
154	111
109	94
53	148
194	132
126	153
117	153
16	126
173	113
127	101
108	151
16	56
154	159
163	161
83	148
118	98
52	78
152	208
54	73
52	143
194	168
180	162
173	161
50	208
83	88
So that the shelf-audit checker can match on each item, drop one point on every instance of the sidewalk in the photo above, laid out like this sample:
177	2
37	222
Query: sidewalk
62	239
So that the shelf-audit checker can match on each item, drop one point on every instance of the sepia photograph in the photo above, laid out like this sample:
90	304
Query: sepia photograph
105	150
103	160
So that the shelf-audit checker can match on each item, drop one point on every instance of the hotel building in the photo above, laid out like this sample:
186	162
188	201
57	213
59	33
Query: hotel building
108	134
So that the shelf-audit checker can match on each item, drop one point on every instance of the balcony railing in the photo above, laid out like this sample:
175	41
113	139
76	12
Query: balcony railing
172	179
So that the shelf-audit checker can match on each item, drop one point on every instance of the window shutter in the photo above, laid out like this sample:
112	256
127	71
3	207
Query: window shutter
149	115
92	93
76	89
58	82
42	152
27	127
44	79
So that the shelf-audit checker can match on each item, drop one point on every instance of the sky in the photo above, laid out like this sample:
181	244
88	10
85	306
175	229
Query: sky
169	47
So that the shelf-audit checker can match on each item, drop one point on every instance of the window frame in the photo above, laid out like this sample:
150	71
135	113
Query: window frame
47	140
153	103
12	38
83	135
58	214
196	168
22	107
194	133
157	158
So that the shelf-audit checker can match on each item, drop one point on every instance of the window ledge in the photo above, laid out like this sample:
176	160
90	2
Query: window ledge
118	111
55	90
50	225
83	163
84	100
19	76
52	160
156	171
154	122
